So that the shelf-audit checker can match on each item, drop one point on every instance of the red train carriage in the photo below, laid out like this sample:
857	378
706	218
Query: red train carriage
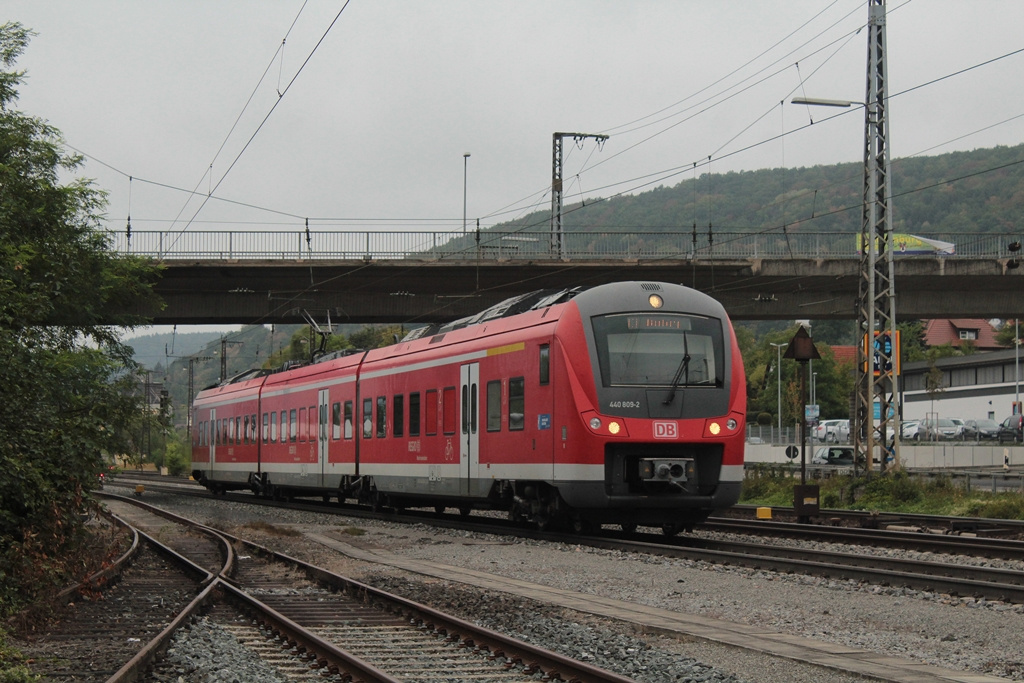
622	404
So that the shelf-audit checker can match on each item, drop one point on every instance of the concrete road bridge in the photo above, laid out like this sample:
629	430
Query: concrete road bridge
411	277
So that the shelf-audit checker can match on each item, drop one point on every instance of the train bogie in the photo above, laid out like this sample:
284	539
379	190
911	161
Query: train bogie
622	405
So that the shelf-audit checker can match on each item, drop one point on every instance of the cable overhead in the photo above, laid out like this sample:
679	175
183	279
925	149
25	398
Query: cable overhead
273	107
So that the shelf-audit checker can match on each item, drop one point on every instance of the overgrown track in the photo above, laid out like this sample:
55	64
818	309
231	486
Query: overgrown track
94	634
338	625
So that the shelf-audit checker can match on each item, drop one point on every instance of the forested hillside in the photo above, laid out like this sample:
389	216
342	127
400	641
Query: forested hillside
965	192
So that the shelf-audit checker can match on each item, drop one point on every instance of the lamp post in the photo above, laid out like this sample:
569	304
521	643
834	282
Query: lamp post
465	172
1016	366
814	385
778	375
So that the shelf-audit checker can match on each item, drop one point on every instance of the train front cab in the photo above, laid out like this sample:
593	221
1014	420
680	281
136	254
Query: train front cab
659	407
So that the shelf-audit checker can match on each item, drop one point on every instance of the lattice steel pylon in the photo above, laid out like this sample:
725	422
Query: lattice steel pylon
877	367
557	234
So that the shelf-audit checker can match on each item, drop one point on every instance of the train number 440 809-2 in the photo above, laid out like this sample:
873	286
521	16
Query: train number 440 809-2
624	404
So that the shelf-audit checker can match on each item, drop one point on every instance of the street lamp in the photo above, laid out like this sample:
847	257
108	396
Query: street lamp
465	171
778	374
814	384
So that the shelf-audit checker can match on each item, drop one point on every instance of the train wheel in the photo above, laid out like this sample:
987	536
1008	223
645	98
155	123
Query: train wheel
670	529
464	511
439	509
628	527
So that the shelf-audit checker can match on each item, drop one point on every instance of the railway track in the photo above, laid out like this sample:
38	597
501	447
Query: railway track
846	562
109	622
939	575
746	640
305	621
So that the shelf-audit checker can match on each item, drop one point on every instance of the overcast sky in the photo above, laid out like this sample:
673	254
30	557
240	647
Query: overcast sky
371	125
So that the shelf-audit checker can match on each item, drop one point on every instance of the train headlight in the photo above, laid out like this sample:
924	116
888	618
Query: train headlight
731	424
655	301
595	423
714	428
613	427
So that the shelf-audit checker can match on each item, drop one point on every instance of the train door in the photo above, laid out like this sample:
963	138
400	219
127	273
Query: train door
214	437
323	422
469	443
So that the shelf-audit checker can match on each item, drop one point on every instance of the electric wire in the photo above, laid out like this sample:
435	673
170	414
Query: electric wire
273	107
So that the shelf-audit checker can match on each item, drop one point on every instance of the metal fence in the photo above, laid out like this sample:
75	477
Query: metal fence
492	245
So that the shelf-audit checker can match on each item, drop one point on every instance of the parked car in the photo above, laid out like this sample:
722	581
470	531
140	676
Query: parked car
833	431
1012	429
909	429
834	455
938	429
978	430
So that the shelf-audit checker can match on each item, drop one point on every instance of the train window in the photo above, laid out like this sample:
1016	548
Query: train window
303	429
465	409
398	415
516	404
336	421
273	426
266	427
238	429
311	425
494	406
293	430
545	364
367	418
414	414
245	433
348	419
431	409
448	410
659	349
284	426
474	402
382	411
254	434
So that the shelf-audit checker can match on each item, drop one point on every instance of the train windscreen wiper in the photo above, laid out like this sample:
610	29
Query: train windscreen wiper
683	369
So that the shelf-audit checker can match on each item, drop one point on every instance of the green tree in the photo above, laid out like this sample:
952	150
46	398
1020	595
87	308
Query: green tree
67	379
299	346
1007	332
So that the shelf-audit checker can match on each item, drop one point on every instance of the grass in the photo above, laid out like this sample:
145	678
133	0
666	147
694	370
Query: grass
273	529
894	493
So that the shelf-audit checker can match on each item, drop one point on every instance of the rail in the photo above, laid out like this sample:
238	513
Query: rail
500	246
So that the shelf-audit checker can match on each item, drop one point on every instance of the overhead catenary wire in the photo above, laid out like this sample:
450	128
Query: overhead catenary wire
273	107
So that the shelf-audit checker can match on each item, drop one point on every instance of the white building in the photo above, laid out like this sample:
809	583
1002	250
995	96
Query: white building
982	385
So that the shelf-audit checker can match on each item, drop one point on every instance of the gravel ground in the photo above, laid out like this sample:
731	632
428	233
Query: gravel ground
961	634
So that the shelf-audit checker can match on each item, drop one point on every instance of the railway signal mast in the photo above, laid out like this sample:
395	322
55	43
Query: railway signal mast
557	235
878	361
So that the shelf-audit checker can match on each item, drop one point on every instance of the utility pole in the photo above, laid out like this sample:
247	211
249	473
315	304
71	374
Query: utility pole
224	357
557	235
878	362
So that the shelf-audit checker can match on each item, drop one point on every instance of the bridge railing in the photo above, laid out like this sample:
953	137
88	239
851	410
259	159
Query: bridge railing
491	245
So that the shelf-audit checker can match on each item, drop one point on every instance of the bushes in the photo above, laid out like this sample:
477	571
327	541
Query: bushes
896	492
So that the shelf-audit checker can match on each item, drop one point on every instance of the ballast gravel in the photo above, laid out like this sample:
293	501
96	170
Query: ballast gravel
955	633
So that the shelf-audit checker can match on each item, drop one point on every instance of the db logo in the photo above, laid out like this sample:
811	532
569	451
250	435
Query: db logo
666	430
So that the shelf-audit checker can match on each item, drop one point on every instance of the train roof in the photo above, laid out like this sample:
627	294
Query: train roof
531	301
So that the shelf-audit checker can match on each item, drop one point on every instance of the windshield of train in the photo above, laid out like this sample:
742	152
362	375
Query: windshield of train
664	349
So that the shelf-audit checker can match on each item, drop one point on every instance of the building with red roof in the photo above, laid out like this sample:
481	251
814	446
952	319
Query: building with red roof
977	331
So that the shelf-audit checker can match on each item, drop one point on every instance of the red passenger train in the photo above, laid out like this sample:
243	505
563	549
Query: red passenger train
624	403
